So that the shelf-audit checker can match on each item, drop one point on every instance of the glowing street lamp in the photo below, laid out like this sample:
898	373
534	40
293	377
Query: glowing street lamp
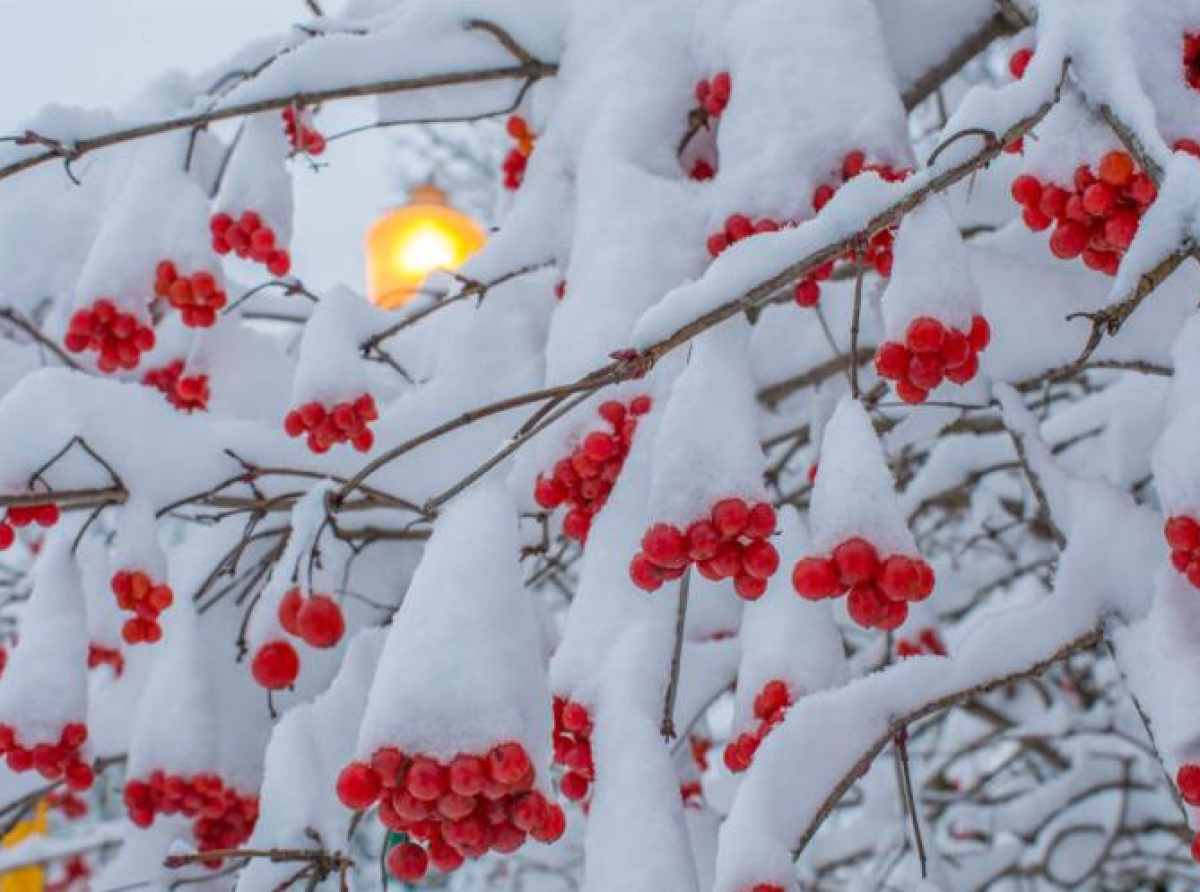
409	242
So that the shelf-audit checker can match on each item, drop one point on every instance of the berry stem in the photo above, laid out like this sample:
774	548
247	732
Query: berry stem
668	717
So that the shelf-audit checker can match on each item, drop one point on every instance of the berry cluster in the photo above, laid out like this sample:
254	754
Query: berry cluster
880	588
188	393
451	811
118	337
738	227
344	422
583	480
222	818
197	297
19	516
518	156
1191	59
927	642
1187	779
1097	217
770	706
275	665
712	94
99	655
316	620
1183	536
573	748
878	251
72	805
302	135
251	239
51	760
729	544
139	594
932	352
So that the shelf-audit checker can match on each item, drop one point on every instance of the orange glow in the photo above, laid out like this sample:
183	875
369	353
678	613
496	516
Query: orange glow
408	243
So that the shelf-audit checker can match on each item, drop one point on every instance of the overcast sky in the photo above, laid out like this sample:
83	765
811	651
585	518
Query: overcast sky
99	52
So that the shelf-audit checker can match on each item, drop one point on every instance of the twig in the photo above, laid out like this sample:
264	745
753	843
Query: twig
10	315
667	727
527	69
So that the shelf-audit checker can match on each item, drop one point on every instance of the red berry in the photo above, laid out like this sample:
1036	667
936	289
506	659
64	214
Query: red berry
574	786
289	607
407	862
1019	61
1116	168
665	546
891	361
319	622
925	335
508	763
981	334
645	575
856	561
359	786
1026	190
276	665
467	775
760	559
816	578
1182	533
730	517
1188	781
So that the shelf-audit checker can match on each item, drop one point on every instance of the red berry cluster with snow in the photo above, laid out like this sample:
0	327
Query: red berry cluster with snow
1183	536
880	588
517	159
770	706
1096	217
302	136
729	544
583	480
344	422
61	759
928	642
20	516
878	251
99	655
119	338
222	817
188	393
573	748
931	353
249	237
451	811
138	593
197	297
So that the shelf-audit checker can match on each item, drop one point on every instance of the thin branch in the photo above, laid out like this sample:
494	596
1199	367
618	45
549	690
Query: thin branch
527	69
667	727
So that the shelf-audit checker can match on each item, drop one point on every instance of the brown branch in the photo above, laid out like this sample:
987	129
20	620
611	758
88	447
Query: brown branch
1084	642
471	288
18	321
1000	25
527	69
630	364
667	727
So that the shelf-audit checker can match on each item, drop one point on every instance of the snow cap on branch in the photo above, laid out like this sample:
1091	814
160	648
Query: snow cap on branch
44	686
707	447
462	668
854	494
